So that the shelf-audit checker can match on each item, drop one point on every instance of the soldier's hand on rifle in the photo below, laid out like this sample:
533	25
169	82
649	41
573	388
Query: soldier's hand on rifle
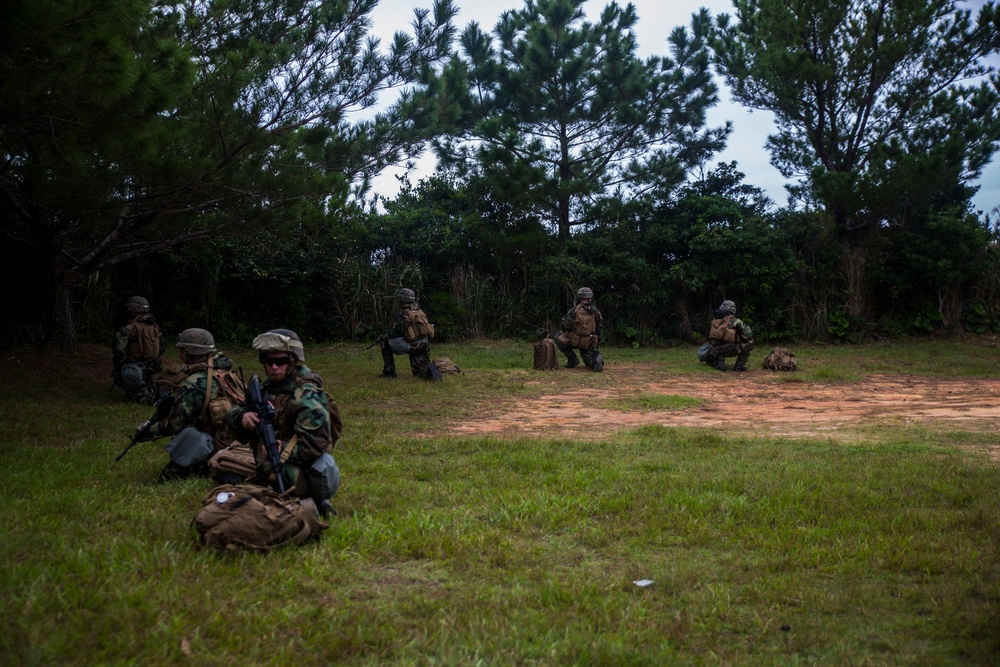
250	420
143	433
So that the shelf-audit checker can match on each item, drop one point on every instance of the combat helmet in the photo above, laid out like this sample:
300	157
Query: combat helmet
406	295
137	304
196	341
584	293
280	340
728	307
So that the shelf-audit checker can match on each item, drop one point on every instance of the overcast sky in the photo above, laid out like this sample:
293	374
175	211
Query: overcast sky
656	19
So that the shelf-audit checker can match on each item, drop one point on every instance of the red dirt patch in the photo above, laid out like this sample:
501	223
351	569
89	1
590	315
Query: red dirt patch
764	401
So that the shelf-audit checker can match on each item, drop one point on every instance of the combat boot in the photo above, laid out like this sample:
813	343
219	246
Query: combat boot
434	375
720	365
740	368
572	361
326	510
172	472
388	375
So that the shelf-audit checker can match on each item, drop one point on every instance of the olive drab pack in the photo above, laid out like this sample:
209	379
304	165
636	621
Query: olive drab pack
417	326
546	355
143	341
720	331
256	518
781	359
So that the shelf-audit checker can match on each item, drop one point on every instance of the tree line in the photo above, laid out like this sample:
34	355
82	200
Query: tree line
217	158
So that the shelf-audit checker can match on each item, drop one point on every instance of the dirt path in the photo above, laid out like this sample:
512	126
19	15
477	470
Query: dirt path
765	401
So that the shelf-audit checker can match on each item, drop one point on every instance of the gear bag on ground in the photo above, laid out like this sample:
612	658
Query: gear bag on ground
546	355
781	359
255	518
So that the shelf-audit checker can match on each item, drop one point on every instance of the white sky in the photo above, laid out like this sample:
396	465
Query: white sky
657	18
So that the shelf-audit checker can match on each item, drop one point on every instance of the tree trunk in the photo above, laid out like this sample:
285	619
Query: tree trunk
854	272
62	324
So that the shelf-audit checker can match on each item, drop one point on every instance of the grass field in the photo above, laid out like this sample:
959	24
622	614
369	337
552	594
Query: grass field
485	549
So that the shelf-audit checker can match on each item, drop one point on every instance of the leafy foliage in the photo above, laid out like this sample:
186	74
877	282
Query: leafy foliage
563	112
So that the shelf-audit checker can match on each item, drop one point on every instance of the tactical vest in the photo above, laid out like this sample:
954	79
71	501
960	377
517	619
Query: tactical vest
143	341
417	326
719	331
224	390
584	321
284	422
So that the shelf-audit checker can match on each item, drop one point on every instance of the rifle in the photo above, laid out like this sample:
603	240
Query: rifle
378	341
259	402
161	408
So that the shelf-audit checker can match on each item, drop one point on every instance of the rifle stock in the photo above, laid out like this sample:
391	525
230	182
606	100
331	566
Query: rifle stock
260	403
161	408
378	341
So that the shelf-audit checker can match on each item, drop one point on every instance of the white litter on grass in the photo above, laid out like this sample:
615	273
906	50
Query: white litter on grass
643	583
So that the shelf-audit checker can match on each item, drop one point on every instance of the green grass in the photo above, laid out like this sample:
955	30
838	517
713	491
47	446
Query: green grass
481	550
651	402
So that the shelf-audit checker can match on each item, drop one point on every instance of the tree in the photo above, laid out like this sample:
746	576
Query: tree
867	93
133	127
563	113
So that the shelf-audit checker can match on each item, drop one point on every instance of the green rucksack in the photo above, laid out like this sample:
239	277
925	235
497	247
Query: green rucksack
256	518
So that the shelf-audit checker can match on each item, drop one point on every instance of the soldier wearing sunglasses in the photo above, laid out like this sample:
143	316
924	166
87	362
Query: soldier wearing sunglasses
306	421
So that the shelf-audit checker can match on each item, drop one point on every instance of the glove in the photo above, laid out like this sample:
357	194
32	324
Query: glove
143	432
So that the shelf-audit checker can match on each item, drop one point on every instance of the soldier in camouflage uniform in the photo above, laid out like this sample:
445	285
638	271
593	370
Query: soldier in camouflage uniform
198	434
135	352
729	336
582	328
307	423
403	338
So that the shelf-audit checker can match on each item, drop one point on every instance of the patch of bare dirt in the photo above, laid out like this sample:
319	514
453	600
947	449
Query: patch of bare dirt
759	400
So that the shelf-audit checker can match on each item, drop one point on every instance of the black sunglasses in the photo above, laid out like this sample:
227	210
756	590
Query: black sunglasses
274	361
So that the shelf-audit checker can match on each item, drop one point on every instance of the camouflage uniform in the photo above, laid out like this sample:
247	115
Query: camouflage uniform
419	354
418	349
189	404
582	328
195	417
144	391
739	347
302	412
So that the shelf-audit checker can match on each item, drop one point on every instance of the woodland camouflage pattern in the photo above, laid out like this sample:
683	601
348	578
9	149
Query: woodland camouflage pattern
189	402
740	349
119	346
301	411
420	356
579	324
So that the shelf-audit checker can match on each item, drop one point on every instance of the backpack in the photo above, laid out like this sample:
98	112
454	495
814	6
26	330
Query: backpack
447	366
234	464
585	322
143	341
546	358
781	359
233	394
417	326
719	330
257	518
